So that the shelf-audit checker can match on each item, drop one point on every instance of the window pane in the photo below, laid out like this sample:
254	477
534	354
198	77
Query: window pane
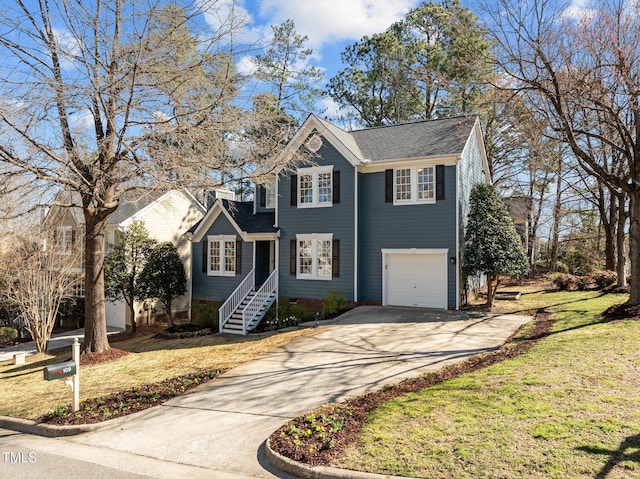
271	195
215	255
324	188
403	184
324	258
425	183
229	256
305	249
306	189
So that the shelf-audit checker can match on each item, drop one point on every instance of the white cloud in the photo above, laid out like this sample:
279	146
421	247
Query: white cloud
336	20
578	10
246	65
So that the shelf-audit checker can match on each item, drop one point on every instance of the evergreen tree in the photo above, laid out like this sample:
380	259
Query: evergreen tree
124	264
163	277
491	243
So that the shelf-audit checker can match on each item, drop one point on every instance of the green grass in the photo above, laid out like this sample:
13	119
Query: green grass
24	393
568	408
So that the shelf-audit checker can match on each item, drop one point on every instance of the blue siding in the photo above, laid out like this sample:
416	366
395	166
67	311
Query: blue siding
218	288
471	172
383	225
337	219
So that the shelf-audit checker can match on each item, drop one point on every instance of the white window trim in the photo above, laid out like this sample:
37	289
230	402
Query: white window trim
220	239
270	195
314	171
413	184
314	238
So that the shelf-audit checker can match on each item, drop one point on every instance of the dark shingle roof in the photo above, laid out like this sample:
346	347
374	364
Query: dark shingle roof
242	214
415	140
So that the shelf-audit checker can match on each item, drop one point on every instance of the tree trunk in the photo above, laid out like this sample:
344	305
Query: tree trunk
95	321
608	220
634	246
621	260
132	313
555	230
491	292
167	307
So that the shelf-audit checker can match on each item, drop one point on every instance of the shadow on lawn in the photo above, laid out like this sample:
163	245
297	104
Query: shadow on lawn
628	451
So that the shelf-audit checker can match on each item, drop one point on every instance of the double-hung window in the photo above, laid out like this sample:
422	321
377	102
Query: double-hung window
314	255
315	187
270	195
221	257
414	185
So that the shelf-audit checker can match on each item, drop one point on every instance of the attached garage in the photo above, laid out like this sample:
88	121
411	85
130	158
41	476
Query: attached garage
414	277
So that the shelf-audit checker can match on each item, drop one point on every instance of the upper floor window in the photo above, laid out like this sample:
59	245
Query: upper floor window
270	198
414	185
64	239
221	257
315	186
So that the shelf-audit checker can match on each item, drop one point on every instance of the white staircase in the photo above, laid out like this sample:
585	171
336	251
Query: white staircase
245	308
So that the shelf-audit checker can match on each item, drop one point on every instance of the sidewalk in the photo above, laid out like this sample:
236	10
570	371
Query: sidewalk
58	340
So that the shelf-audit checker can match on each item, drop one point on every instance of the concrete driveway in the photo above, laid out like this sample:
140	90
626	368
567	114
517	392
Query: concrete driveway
219	427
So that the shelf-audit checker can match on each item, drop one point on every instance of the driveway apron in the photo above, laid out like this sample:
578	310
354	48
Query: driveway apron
222	424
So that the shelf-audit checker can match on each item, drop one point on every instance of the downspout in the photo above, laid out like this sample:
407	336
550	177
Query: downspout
458	265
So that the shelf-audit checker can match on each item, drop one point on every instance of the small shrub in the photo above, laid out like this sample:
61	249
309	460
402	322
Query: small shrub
8	335
605	278
583	283
334	302
301	312
205	314
564	282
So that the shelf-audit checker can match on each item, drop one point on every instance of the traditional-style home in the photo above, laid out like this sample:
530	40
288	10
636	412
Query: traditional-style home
165	215
379	216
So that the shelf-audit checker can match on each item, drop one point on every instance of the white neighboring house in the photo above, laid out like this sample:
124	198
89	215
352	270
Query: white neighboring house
167	217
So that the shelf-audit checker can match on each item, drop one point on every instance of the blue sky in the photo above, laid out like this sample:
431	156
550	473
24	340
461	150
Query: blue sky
331	25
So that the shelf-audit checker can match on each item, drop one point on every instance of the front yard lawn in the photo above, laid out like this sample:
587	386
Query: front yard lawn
569	407
157	368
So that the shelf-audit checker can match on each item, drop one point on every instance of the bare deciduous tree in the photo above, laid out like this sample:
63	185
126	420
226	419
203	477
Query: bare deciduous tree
102	96
580	74
39	276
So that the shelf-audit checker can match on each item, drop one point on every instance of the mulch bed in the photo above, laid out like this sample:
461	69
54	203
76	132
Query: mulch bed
316	438
621	311
87	359
127	402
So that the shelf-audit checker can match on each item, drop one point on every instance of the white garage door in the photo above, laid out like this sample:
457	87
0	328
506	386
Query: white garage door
416	280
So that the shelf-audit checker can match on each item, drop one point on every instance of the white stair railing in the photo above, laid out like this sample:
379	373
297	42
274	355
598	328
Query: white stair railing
259	300
232	303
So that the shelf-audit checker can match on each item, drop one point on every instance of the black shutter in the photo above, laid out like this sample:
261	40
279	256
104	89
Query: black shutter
292	258
205	254
262	191
388	186
336	187
439	182
294	190
335	259
238	256
73	237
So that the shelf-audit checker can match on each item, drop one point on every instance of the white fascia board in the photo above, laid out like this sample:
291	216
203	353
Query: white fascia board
210	218
311	124
377	166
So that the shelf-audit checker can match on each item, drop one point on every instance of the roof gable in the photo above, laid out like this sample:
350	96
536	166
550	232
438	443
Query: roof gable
240	214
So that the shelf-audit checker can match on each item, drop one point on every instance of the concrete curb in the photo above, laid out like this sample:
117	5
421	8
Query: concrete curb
48	430
318	472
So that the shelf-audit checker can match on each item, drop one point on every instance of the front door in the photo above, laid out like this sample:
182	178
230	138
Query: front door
264	261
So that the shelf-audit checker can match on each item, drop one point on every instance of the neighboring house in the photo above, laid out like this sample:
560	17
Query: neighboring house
166	217
379	216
